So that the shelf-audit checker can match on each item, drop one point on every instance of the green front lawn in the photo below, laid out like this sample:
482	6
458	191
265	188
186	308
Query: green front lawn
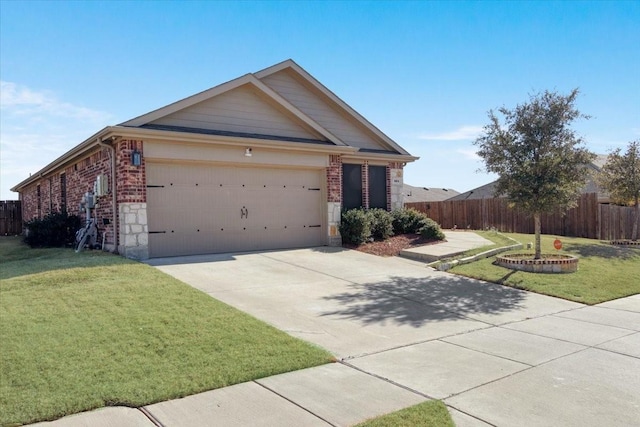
605	272
82	331
431	413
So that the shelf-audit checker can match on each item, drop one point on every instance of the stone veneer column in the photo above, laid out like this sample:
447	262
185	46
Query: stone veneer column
334	215
134	232
396	184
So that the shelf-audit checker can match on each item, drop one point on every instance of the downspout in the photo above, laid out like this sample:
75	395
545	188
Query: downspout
114	202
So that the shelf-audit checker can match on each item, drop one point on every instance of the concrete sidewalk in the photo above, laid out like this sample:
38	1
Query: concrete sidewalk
576	368
405	333
457	243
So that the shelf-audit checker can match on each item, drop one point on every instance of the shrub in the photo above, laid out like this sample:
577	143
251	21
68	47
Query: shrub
407	220
381	224
54	230
431	230
355	226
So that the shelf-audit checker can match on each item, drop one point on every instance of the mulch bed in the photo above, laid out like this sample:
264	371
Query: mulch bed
393	245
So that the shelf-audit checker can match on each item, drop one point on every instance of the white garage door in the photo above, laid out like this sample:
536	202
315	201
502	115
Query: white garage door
199	209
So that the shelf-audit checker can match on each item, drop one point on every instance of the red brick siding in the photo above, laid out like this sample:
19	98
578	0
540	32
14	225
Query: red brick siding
132	180
389	186
80	178
334	179
365	185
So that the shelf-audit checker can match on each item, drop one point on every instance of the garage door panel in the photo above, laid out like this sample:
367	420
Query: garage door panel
208	209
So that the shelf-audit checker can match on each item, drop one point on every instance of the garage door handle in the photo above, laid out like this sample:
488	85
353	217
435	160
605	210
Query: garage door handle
244	213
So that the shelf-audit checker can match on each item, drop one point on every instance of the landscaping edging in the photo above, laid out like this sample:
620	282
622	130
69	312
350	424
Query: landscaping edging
524	262
625	242
444	266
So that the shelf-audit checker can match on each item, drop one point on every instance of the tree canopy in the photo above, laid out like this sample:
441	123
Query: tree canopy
620	176
541	162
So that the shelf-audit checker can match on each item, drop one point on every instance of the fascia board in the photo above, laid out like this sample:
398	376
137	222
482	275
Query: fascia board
381	156
175	136
67	157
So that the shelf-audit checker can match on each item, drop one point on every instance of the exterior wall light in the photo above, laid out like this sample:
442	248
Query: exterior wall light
247	152
136	158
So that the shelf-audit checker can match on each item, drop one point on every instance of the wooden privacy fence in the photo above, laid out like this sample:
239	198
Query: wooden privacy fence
616	222
589	219
10	217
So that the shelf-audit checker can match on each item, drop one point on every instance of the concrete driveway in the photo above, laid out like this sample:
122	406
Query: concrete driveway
495	355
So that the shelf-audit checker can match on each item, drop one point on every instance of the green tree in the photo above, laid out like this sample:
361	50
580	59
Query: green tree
620	176
539	159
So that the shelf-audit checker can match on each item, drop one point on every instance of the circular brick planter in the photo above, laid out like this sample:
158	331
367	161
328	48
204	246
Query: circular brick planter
548	264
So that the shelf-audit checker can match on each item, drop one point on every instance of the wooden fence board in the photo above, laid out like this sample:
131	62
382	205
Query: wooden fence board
589	219
10	218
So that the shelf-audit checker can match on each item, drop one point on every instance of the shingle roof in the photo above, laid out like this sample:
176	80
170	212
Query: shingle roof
426	194
487	191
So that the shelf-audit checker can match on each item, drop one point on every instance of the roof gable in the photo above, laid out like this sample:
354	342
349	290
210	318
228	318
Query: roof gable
282	100
242	109
322	105
243	89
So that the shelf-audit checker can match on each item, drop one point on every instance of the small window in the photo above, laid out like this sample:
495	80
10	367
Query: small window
351	186
378	187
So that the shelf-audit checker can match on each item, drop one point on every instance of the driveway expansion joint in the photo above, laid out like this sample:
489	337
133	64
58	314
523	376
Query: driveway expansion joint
150	416
387	380
293	403
471	415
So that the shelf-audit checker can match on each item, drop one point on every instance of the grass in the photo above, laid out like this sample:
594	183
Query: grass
82	331
605	272
431	413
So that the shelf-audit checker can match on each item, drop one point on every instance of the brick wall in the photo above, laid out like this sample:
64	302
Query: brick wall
389	207
334	179
365	185
80	178
132	187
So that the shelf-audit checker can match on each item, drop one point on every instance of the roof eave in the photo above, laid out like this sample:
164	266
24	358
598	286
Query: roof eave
187	137
67	157
363	155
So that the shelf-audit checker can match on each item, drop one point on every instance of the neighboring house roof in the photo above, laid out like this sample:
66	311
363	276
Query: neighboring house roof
281	106
487	191
483	192
426	194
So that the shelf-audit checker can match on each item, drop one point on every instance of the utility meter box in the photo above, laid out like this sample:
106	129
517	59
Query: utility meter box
101	186
88	200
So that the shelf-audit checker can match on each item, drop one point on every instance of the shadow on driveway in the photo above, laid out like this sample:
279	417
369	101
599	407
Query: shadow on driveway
418	301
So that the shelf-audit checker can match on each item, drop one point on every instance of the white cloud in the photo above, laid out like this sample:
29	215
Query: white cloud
36	128
468	153
467	132
18	100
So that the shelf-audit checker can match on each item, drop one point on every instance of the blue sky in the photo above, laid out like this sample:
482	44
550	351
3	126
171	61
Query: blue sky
425	73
